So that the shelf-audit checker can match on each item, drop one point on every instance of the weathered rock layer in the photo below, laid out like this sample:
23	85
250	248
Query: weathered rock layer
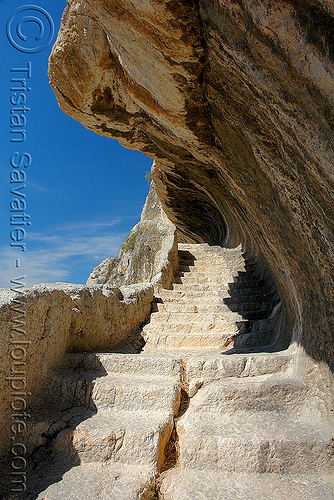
234	102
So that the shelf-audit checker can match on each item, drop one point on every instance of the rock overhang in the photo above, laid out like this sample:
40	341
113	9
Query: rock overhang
234	102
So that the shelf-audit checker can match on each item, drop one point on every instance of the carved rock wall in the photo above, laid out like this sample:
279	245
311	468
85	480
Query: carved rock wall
234	102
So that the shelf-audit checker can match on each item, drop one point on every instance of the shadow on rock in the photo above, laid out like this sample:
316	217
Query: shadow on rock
66	400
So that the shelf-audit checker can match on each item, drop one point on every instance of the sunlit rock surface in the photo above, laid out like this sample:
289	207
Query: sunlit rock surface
234	102
149	253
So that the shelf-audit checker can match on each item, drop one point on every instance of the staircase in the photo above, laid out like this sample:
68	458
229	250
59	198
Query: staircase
251	438
221	294
112	417
208	422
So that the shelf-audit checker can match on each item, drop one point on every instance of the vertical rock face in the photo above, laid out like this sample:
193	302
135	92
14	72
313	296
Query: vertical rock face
234	102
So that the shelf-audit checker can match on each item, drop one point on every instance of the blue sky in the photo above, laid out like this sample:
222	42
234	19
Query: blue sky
83	192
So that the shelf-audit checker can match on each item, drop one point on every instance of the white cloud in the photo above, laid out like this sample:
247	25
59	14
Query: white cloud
55	256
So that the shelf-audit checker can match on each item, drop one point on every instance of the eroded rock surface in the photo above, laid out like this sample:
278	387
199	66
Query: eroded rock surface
219	302
40	324
234	102
149	253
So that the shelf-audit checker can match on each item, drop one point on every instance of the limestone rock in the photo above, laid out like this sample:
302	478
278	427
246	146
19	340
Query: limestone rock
149	254
40	324
234	101
218	302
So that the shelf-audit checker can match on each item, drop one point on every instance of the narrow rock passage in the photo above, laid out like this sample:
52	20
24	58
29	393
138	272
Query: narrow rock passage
222	293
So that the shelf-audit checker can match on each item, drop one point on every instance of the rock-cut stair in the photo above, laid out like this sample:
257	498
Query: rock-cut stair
209	423
111	417
218	294
253	430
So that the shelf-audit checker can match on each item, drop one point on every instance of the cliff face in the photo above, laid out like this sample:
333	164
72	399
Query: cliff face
233	99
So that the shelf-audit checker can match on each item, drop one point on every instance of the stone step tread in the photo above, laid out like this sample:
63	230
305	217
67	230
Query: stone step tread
138	394
204	308
130	384
214	300
206	265
115	378
255	442
233	261
206	484
125	363
214	257
199	308
213	367
206	297
221	328
118	391
205	247
90	481
200	287
124	436
187	342
259	305
199	277
179	318
205	291
202	268
199	281
250	284
274	393
255	426
107	418
192	293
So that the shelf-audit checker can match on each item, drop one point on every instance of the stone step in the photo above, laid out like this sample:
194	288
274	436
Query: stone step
199	255
246	284
189	283
219	309
204	298
205	484
116	436
193	266
207	264
136	393
235	259
201	280
193	294
130	364
244	309
214	368
185	318
197	249
253	302
202	269
201	287
89	481
224	326
275	393
171	341
261	442
114	391
185	307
